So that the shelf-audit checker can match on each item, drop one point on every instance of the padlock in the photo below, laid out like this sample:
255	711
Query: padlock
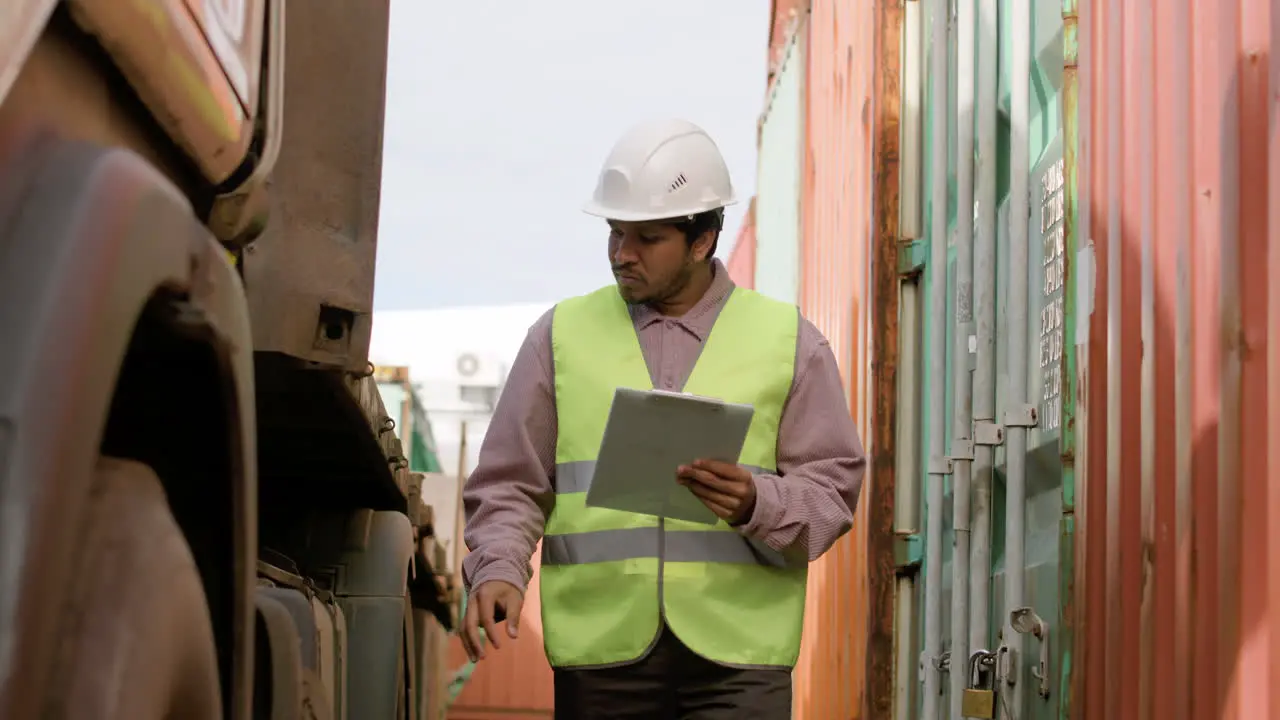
978	701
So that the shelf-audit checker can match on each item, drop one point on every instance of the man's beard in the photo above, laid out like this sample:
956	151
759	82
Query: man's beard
670	289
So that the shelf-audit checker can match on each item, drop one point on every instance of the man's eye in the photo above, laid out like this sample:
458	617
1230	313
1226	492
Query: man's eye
650	239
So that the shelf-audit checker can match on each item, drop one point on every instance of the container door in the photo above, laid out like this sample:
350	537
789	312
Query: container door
1050	355
1050	361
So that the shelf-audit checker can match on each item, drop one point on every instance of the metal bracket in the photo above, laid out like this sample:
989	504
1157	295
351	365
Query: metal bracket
939	466
987	433
961	449
1007	669
907	552
1024	416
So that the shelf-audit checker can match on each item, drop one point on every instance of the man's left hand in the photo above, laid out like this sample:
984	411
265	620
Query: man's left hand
728	489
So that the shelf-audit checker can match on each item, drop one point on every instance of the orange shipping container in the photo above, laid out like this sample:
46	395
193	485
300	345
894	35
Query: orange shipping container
513	683
1179	507
742	260
847	277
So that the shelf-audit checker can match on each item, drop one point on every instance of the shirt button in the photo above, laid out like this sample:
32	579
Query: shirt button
668	384
671	323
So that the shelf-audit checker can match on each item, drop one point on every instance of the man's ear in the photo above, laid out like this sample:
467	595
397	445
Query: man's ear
702	246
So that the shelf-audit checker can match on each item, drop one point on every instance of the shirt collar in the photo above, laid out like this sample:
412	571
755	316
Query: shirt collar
701	316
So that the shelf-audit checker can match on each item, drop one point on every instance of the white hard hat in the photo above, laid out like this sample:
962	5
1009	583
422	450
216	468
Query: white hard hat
661	169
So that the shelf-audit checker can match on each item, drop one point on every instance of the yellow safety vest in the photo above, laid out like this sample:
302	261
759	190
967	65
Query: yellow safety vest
610	577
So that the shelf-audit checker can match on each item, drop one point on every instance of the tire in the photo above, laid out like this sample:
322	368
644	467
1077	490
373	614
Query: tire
136	640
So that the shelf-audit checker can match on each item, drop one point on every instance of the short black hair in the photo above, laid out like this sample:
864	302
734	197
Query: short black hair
695	225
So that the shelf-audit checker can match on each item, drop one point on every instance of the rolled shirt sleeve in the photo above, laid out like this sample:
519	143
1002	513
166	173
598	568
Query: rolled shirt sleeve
804	509
510	493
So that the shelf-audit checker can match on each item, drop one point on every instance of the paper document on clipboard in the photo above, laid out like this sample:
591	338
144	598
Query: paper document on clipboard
649	435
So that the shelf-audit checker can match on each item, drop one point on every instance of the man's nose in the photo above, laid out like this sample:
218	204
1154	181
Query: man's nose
624	252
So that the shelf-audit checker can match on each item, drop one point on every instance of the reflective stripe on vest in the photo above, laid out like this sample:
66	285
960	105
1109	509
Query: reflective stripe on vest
609	577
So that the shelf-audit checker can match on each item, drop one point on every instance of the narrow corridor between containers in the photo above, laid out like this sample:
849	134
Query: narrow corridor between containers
1070	497
1038	236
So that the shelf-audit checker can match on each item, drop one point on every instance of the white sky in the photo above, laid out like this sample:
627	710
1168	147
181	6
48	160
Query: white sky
499	114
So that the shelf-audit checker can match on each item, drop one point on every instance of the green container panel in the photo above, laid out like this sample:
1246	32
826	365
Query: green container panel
1050	345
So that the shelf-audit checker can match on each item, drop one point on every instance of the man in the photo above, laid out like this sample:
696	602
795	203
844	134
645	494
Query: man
647	617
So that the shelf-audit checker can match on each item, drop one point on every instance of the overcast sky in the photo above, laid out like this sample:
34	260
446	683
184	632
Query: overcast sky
499	114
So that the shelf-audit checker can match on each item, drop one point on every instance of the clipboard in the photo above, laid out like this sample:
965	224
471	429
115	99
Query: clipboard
648	436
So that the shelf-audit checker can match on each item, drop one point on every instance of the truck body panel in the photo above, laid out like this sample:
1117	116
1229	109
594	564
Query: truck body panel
100	250
152	200
310	274
161	49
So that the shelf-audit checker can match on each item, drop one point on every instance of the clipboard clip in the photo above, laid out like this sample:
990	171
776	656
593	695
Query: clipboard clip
667	395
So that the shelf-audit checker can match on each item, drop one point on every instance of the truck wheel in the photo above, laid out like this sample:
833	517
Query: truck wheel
136	641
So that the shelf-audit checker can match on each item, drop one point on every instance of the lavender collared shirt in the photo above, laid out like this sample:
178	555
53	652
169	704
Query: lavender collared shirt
802	511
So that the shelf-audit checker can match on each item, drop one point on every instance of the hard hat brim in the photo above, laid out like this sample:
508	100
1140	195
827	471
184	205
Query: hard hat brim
609	213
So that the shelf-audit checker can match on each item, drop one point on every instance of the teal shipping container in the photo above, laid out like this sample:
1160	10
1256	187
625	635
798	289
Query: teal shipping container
994	430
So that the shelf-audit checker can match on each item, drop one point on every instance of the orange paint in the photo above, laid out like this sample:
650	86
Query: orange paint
1178	576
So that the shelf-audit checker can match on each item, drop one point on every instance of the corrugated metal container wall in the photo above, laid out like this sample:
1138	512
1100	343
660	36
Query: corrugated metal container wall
513	683
1178	543
834	258
782	17
983	332
778	175
742	260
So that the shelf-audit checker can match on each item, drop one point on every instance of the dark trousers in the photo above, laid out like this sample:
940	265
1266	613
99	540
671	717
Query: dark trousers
673	683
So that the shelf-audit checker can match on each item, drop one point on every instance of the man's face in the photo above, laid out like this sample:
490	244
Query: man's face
651	261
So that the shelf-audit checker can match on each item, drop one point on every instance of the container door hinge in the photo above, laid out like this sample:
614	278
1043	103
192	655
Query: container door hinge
939	466
1023	416
987	433
908	552
1007	665
962	449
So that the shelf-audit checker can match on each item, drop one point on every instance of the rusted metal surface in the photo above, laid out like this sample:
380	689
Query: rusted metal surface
161	49
64	87
782	14
742	260
879	496
1068	602
1273	373
310	275
849	289
835	248
1174	188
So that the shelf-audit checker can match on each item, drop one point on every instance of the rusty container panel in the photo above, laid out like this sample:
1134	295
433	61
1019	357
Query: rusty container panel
513	683
783	16
1178	499
309	277
742	259
835	258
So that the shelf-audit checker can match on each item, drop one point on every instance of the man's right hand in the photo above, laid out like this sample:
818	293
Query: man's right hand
486	599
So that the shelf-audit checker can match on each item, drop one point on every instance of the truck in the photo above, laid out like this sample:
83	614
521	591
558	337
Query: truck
205	511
